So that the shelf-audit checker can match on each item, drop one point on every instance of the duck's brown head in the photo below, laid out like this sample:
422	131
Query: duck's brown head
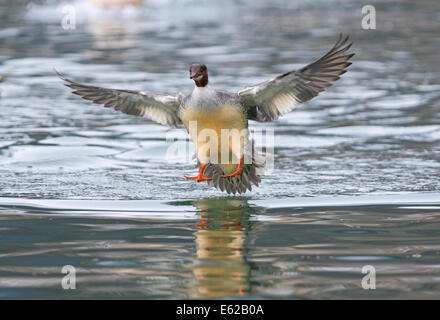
199	73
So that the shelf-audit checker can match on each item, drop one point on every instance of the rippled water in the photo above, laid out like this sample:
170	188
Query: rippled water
356	177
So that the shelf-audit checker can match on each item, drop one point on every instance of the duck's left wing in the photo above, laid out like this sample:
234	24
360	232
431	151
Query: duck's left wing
160	108
269	100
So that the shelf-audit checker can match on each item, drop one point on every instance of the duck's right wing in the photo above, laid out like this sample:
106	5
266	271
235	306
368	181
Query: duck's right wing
157	107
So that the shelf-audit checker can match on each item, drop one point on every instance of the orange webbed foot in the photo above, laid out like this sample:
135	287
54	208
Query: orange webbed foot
237	172
200	177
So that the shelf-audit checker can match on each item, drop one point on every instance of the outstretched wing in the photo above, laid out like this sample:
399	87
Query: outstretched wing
159	108
280	95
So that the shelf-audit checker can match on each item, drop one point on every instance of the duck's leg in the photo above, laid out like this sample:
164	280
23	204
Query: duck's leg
200	177
237	172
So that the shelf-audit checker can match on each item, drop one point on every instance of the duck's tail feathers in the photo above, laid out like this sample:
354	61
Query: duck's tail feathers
239	184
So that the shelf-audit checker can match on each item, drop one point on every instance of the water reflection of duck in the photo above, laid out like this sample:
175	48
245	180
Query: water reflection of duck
220	267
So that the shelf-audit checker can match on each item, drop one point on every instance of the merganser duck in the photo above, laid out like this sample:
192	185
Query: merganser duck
228	161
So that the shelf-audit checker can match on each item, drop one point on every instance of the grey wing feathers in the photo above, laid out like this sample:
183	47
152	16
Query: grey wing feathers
159	108
271	99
